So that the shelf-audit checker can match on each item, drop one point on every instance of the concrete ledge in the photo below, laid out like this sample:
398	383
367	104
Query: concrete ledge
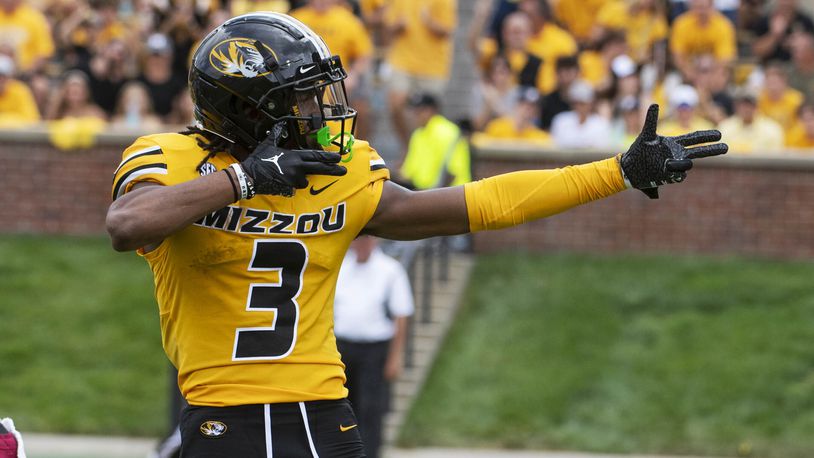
774	160
39	135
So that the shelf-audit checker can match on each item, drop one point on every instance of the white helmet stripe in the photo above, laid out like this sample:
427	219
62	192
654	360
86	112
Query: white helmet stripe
318	42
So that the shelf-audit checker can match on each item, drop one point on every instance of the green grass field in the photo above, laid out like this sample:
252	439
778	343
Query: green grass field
623	354
80	350
627	354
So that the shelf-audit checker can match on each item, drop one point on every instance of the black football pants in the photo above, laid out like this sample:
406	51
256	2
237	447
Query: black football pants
326	429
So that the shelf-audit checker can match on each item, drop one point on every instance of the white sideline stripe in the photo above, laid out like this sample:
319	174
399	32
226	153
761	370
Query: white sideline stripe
134	154
267	416
39	444
134	175
308	430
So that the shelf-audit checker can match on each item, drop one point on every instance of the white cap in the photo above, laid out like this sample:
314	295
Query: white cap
528	94
623	66
158	43
683	96
6	65
581	91
628	103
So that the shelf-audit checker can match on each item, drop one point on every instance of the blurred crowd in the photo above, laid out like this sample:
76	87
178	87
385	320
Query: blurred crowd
117	63
570	74
581	74
123	64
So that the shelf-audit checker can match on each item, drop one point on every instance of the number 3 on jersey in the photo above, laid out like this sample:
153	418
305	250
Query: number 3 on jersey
288	258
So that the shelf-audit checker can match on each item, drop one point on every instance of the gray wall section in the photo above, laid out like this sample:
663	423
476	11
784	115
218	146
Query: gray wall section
458	104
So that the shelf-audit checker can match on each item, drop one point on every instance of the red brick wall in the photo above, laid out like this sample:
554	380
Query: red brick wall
731	205
746	205
45	190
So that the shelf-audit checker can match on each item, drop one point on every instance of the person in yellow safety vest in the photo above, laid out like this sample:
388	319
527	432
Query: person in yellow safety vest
438	152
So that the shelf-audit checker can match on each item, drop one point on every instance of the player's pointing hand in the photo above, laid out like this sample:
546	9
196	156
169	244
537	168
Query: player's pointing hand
278	171
653	160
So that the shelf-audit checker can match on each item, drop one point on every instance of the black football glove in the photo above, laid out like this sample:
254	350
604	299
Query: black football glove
653	160
278	171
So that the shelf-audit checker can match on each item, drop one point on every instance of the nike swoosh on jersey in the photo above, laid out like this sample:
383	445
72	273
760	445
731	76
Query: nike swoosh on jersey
346	428
314	191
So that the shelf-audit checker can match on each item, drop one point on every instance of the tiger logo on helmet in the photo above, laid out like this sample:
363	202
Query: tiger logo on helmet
238	57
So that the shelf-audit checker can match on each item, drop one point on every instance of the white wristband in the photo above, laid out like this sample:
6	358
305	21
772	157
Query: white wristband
246	188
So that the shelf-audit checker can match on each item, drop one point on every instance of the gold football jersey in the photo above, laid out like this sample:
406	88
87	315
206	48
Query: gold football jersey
245	294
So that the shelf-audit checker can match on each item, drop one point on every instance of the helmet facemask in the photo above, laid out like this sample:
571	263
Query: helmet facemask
320	116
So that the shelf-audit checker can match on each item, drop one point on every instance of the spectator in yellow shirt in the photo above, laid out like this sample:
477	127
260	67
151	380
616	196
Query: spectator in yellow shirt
802	134
749	132
777	100
109	26
371	8
17	106
548	41
238	7
346	36
702	30
643	22
73	25
596	65
520	124
579	17
420	55
515	34
438	152
372	12
27	33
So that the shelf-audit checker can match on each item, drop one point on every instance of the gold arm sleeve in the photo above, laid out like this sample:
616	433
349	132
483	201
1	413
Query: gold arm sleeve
518	197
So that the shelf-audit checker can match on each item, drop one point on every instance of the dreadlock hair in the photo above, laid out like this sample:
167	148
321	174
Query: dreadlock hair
210	143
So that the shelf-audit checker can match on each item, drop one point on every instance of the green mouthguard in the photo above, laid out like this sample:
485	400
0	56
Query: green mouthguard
325	138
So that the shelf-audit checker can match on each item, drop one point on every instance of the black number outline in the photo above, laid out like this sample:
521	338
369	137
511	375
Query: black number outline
275	308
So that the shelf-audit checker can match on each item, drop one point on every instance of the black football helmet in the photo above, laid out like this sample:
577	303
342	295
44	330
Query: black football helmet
264	74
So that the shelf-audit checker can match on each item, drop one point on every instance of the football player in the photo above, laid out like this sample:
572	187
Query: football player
245	219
